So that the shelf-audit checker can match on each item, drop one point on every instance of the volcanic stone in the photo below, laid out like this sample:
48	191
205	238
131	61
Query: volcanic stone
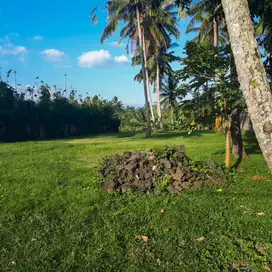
134	158
179	174
109	185
166	163
127	155
172	190
127	186
186	185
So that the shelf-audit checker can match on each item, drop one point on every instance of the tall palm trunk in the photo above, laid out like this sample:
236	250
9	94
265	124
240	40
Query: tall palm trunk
148	85
228	146
215	33
251	72
172	115
238	149
158	96
148	131
226	117
228	134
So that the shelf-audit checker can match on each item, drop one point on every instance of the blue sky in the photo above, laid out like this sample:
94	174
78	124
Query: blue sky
51	38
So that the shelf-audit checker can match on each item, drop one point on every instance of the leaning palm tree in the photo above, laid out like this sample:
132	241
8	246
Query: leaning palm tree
160	64
164	22
159	27
145	21
131	13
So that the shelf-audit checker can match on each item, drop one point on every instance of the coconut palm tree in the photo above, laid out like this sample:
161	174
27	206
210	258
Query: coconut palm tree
171	93
132	14
8	75
159	27
160	64
163	26
146	21
207	19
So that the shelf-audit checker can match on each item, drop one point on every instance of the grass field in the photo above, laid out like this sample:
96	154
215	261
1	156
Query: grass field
54	216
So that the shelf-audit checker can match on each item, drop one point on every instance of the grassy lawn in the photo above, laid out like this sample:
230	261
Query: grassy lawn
54	216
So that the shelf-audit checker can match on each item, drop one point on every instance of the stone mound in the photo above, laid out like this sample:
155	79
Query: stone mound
167	169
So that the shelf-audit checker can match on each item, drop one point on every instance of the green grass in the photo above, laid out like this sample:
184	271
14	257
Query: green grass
54	216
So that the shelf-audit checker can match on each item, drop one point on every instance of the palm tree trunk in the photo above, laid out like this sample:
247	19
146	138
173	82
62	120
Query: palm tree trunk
148	131
148	86
172	116
158	95
228	146
238	149
251	72
215	33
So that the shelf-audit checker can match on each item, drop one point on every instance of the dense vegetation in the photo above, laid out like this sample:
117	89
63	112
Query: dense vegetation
42	114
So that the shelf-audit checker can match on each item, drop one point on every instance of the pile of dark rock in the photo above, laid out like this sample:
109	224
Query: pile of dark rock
166	169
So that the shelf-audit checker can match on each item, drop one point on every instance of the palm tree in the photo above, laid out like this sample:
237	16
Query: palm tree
146	21
251	72
30	91
171	93
158	27
132	14
15	80
8	74
161	25
208	20
160	64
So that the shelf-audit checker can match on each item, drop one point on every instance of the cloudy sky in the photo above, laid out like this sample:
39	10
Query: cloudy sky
52	38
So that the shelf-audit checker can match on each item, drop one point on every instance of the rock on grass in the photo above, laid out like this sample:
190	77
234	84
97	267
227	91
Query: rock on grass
166	169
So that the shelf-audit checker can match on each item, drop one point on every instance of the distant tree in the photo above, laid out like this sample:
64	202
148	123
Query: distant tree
53	115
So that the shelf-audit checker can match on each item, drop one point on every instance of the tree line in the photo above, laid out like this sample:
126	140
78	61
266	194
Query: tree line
45	113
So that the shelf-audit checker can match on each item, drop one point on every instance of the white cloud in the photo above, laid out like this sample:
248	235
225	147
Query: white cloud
121	59
53	54
19	50
37	38
22	59
99	58
11	49
94	58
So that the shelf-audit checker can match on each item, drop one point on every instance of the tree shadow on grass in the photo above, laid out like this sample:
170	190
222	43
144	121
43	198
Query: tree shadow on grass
138	135
181	134
162	135
251	144
126	134
176	134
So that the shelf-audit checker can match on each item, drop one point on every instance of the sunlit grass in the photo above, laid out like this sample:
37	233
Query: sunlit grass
54	216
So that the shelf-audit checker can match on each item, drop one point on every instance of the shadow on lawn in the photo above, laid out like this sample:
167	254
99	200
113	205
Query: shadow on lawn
251	144
163	135
175	134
